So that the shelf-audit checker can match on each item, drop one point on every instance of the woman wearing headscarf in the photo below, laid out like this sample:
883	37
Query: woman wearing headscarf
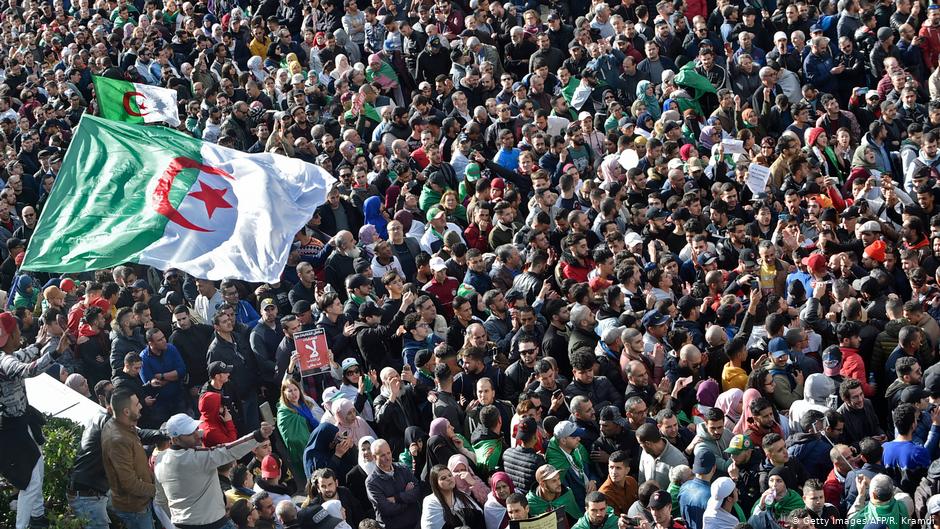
357	387
494	510
730	403
706	139
256	69
340	67
611	169
646	92
748	423
444	443
818	148
336	510
348	420
705	394
467	482
356	478
414	455
327	449
372	209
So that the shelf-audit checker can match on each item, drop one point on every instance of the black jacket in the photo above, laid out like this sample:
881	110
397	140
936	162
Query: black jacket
600	392
393	417
88	470
521	463
193	344
244	378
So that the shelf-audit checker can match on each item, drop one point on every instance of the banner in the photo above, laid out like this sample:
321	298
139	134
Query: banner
551	520
313	351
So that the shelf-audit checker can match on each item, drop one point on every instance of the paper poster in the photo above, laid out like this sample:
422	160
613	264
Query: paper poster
733	146
551	520
757	177
313	351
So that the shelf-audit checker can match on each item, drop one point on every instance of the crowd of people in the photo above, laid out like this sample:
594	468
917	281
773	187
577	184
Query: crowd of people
647	264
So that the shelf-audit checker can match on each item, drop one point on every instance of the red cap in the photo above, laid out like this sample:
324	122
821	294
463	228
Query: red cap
498	183
270	468
815	262
18	260
67	285
7	322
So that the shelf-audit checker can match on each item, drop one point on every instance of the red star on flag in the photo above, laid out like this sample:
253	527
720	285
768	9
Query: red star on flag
212	197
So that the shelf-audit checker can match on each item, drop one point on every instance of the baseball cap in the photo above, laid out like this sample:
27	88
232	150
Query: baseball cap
816	262
438	264
612	414
739	443
913	394
871	226
659	500
778	347
747	257
356	281
270	468
722	488
181	424
546	472
267	302
217	368
704	462
656	213
653	318
933	504
172	298
140	283
832	360
568	429
349	362
707	258
300	306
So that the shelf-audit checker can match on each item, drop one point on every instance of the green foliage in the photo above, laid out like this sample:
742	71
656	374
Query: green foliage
63	439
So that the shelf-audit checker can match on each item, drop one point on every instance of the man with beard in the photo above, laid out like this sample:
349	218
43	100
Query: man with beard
326	487
192	339
339	265
576	263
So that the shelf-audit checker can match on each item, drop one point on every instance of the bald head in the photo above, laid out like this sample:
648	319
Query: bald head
690	355
716	335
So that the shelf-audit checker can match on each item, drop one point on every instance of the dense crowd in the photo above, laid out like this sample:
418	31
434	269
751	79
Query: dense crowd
660	265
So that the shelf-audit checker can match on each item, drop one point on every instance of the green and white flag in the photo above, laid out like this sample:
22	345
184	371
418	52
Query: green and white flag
135	102
158	197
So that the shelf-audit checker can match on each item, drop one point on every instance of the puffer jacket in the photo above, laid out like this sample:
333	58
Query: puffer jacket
928	486
521	463
121	345
704	442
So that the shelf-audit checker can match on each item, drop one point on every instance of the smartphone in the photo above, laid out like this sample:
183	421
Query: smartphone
556	393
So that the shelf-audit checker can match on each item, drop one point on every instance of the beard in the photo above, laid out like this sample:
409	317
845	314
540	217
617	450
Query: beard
353	252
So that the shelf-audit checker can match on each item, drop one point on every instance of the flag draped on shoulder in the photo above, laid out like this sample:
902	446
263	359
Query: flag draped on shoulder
158	197
135	102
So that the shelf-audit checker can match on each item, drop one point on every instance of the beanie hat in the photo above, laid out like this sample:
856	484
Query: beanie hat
876	251
814	134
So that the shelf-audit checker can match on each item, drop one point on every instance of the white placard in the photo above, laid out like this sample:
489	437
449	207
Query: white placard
757	177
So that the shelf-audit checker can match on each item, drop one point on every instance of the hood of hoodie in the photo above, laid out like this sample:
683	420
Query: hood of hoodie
209	405
818	388
322	436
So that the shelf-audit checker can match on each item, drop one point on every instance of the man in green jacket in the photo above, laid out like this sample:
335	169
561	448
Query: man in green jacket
566	453
550	494
598	515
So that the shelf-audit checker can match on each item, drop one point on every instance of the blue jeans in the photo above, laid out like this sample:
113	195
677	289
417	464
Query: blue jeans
94	509
136	520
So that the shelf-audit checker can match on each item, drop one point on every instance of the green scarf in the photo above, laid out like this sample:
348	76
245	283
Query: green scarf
893	513
783	506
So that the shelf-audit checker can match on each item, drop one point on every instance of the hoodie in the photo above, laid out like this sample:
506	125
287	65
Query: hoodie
216	430
704	442
812	452
819	393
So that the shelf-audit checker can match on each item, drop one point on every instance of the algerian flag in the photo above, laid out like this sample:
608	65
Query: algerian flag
135	102
156	196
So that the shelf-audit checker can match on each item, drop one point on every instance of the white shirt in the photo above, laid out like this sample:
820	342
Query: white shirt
206	307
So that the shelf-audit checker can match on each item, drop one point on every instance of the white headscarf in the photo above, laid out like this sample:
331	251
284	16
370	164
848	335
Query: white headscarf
368	466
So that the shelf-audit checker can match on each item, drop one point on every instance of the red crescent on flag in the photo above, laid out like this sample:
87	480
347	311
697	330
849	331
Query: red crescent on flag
127	104
160	199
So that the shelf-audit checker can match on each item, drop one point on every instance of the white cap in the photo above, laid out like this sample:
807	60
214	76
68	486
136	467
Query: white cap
632	239
780	35
181	424
933	504
722	488
584	115
438	264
